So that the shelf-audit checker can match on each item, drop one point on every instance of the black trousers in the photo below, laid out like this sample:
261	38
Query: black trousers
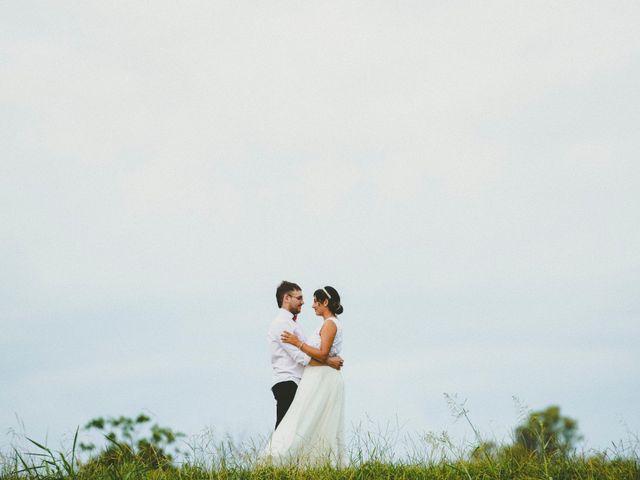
283	392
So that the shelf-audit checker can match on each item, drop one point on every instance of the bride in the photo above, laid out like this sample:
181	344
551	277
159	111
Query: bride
312	431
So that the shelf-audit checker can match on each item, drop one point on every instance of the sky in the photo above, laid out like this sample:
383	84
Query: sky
465	174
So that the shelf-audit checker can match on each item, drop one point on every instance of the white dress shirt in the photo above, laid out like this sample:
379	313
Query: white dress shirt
287	360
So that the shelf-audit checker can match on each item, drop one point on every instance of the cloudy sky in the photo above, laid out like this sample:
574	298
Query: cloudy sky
465	174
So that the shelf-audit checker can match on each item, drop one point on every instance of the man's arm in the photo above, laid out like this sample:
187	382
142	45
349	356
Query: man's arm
333	362
298	355
302	358
320	355
295	353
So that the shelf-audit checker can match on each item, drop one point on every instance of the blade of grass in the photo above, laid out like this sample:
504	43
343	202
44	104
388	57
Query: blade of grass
42	447
73	453
24	463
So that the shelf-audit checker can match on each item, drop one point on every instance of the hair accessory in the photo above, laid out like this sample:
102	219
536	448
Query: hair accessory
326	293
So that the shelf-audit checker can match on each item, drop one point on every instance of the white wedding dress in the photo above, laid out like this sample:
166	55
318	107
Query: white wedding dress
312	431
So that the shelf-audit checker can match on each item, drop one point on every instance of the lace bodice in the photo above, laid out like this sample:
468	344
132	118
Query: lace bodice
336	348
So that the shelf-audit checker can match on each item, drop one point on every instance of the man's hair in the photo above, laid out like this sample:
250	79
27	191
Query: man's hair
285	287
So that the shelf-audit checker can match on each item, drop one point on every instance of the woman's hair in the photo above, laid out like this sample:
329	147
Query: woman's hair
331	294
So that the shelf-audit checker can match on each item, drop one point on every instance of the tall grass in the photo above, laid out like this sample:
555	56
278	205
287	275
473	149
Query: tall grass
372	456
380	453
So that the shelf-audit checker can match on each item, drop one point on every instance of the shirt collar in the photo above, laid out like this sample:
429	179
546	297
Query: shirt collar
286	314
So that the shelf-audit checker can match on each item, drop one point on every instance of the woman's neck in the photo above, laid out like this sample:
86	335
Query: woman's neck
328	315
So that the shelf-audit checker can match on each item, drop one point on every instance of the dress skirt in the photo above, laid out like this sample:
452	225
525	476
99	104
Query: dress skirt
312	431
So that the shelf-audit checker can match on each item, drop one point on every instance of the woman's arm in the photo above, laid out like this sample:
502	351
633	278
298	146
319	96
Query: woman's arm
327	335
334	362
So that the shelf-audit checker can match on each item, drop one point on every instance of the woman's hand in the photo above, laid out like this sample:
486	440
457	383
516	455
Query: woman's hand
288	337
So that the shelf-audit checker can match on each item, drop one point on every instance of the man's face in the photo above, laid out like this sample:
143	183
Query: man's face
295	301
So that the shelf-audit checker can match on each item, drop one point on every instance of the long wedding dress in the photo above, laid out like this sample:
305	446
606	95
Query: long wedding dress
312	431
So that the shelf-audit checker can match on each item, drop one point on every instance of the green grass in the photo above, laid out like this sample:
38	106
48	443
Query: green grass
575	468
372	456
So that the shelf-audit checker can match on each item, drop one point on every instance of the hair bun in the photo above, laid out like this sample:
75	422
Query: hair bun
331	295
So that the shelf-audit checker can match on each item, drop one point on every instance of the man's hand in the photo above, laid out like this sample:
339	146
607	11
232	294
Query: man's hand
335	362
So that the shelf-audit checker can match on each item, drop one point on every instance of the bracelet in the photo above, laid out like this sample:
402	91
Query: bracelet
300	346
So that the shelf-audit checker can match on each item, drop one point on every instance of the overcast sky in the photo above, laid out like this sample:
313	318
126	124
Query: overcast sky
465	174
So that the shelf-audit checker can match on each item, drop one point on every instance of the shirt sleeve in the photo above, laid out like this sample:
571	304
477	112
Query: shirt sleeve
294	352
298	355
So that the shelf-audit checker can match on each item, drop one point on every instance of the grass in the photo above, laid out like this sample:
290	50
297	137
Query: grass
381	454
574	468
372	456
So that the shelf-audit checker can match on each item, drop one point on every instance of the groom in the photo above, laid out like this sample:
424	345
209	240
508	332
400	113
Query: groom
288	362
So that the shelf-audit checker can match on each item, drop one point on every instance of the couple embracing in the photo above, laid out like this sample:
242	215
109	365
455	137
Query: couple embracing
307	383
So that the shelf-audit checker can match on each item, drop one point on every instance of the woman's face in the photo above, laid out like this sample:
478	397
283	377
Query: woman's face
320	307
